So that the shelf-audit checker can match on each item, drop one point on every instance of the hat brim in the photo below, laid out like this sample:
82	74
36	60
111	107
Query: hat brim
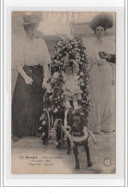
30	23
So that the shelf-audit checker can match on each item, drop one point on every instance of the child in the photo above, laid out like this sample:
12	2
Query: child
71	88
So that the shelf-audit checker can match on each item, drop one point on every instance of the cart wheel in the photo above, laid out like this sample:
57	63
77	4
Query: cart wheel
47	128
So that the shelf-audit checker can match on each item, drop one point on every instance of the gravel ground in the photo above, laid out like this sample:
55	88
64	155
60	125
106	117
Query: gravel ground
30	156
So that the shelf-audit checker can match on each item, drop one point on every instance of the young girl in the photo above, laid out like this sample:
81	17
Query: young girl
71	87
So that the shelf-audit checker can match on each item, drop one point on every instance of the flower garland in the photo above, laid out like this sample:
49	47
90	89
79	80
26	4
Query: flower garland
54	100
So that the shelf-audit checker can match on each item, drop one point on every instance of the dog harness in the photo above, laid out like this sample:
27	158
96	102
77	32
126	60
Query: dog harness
81	138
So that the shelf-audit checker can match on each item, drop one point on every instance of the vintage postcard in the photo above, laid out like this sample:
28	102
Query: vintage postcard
63	77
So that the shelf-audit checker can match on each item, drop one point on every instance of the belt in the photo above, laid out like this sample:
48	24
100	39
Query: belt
34	66
31	68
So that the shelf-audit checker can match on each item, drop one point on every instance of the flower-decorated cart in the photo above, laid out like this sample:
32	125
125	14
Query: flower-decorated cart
55	113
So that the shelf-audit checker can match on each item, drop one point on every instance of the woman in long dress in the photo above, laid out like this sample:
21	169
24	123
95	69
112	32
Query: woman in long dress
31	59
102	78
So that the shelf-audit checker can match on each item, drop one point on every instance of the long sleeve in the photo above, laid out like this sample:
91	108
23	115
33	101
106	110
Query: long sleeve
46	61
47	57
17	53
88	43
112	58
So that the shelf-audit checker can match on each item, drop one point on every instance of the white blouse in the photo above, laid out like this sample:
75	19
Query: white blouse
101	73
30	52
94	46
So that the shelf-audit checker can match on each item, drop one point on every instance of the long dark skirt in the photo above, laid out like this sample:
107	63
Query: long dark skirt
27	103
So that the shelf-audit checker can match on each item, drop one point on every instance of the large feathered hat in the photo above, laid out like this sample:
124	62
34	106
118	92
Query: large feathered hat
104	20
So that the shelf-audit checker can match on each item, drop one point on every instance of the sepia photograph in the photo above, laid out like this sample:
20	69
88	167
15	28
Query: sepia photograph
63	89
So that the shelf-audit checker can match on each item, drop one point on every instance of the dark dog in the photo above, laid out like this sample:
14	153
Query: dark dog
78	136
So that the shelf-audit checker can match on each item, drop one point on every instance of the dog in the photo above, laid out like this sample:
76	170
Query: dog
78	135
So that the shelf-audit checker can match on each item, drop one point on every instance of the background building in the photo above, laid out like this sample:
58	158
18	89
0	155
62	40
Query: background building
79	30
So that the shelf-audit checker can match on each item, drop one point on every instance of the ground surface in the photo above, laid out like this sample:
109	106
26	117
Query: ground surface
30	156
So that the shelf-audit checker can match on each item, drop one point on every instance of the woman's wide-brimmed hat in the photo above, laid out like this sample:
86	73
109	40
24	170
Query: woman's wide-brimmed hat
33	19
104	20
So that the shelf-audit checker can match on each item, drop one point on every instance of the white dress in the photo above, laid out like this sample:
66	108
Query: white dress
71	85
101	89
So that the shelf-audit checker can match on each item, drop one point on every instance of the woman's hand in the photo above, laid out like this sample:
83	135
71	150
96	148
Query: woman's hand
28	80
104	55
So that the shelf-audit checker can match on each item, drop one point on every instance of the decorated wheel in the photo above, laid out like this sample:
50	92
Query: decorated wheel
45	127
